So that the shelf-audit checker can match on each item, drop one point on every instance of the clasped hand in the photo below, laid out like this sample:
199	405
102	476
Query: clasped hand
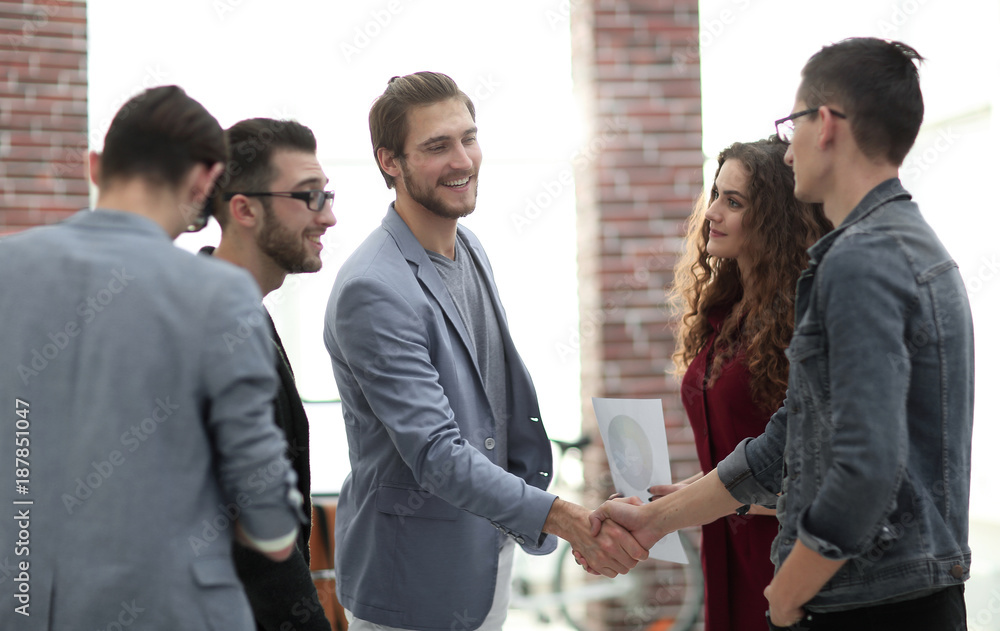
625	520
614	517
609	550
628	514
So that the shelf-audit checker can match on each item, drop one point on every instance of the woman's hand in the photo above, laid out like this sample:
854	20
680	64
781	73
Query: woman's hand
662	490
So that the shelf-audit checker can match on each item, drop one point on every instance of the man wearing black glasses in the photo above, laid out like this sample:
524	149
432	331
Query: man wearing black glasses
868	461
273	210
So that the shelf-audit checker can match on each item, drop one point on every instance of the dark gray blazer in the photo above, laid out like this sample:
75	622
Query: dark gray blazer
282	595
422	515
148	376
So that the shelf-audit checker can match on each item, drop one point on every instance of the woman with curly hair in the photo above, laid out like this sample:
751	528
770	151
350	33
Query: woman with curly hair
735	288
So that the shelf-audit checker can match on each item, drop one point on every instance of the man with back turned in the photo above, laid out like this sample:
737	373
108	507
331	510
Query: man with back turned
151	442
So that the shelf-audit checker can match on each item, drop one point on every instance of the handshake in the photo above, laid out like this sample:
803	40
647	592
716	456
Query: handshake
615	537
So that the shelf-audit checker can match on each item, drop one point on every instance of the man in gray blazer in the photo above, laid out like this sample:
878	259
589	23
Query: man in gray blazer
449	458
141	380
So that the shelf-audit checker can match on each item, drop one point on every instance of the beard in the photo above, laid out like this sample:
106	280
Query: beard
287	249
429	197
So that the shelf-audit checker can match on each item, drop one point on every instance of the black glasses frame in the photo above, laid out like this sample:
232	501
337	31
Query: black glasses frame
305	196
201	219
789	131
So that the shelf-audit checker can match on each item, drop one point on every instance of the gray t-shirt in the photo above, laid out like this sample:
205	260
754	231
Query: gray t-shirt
468	288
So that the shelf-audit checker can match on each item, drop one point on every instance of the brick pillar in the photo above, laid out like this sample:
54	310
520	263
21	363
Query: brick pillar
637	68
43	111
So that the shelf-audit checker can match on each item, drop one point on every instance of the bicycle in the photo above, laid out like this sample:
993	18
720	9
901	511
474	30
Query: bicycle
654	596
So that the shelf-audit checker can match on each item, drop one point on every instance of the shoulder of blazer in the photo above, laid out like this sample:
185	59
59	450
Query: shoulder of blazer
404	238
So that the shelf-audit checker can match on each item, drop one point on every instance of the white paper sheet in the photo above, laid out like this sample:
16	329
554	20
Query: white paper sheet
635	442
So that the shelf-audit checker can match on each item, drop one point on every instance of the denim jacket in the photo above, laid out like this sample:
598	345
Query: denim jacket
868	458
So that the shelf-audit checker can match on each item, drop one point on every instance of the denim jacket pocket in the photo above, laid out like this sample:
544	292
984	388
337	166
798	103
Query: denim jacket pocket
806	343
807	371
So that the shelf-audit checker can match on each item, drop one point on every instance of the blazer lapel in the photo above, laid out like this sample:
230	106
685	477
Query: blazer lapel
428	276
516	370
487	273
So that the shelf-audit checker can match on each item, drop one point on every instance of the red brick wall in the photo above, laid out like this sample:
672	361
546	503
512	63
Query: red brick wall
636	66
43	111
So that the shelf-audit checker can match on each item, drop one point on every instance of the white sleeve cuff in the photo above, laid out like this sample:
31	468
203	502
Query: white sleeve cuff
272	545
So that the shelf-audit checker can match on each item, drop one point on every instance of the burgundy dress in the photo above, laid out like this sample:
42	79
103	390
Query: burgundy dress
735	550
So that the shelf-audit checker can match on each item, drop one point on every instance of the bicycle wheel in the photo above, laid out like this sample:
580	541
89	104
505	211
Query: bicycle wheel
654	596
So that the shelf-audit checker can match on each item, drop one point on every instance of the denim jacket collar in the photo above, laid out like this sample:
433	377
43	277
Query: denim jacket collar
890	190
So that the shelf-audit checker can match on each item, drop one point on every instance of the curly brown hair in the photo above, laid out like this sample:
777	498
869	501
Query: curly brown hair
760	314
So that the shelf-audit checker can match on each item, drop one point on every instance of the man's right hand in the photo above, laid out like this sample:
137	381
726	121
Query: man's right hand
610	550
700	502
637	519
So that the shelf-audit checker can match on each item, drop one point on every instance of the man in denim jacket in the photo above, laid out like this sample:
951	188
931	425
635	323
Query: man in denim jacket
868	459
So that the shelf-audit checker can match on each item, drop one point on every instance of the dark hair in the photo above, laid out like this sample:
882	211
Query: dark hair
159	135
759	311
252	143
877	84
387	120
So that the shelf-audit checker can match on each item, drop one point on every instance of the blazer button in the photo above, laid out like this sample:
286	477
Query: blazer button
520	540
957	571
490	443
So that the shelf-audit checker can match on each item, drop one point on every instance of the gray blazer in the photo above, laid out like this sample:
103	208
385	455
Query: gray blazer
144	377
423	513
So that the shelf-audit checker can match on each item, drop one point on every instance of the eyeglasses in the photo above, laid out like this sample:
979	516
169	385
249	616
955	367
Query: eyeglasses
785	127
201	219
315	200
